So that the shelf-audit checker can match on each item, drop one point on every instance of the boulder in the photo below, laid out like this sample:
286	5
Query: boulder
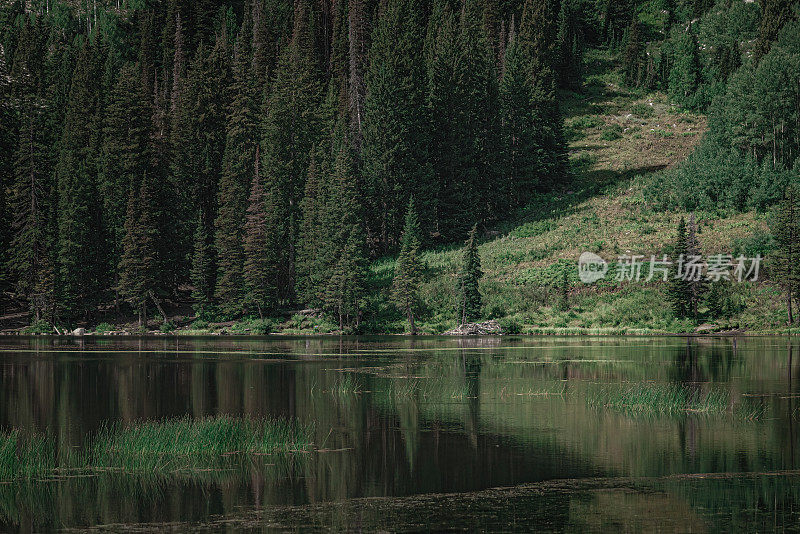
486	328
79	332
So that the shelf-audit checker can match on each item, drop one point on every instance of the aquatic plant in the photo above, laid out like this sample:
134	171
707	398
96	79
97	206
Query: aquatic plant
661	399
166	446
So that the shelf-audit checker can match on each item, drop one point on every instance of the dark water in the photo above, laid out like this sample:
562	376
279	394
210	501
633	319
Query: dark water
418	434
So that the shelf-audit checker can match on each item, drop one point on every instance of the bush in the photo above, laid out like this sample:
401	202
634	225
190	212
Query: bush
103	328
611	133
258	327
199	324
759	243
167	327
642	110
38	327
510	325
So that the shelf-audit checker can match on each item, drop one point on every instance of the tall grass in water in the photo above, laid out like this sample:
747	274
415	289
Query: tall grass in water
660	399
24	457
163	447
192	443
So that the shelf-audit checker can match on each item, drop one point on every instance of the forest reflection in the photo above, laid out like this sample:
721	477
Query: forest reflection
395	417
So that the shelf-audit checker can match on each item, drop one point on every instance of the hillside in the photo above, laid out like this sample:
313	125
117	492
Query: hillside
617	138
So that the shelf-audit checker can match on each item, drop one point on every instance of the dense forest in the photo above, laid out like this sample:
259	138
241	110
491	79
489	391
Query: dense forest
260	153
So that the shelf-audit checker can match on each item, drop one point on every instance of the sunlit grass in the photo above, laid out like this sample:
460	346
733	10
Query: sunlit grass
647	399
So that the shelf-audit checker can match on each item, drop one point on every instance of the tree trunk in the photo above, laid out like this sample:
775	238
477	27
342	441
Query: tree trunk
789	305
158	305
411	322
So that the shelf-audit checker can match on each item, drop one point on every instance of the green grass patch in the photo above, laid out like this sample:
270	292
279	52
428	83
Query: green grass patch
155	447
646	399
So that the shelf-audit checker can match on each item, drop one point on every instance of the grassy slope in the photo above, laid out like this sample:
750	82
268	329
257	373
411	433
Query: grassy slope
616	136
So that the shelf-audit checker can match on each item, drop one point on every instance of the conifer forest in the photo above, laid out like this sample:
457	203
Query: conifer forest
247	160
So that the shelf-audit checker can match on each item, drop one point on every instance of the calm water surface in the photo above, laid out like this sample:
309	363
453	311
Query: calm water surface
420	434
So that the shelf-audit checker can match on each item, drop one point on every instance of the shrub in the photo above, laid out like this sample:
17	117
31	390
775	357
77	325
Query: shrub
642	110
103	328
510	325
167	327
38	327
611	133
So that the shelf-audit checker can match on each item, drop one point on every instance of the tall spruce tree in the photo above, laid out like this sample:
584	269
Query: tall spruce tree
684	77
31	240
408	273
125	155
679	291
346	287
523	155
538	37
786	229
259	281
237	173
698	285
291	128
395	146
80	248
469	295
138	263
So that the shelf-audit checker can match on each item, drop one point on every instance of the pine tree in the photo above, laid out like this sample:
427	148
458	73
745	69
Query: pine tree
259	280
631	61
441	57
346	287
237	172
291	128
538	38
786	229
684	77
477	122
570	46
30	187
315	247
394	150
469	295
80	248
408	273
698	285
138	264
198	145
125	155
679	292
523	156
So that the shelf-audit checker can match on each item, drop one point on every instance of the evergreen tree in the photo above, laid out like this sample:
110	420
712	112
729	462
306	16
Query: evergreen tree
31	239
259	280
408	273
291	128
138	264
570	46
394	151
698	285
237	172
198	148
679	292
80	248
469	295
684	77
537	37
632	58
786	229
125	155
315	247
523	156
346	285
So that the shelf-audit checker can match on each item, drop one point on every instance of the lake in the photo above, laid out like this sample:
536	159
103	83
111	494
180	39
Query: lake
501	433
